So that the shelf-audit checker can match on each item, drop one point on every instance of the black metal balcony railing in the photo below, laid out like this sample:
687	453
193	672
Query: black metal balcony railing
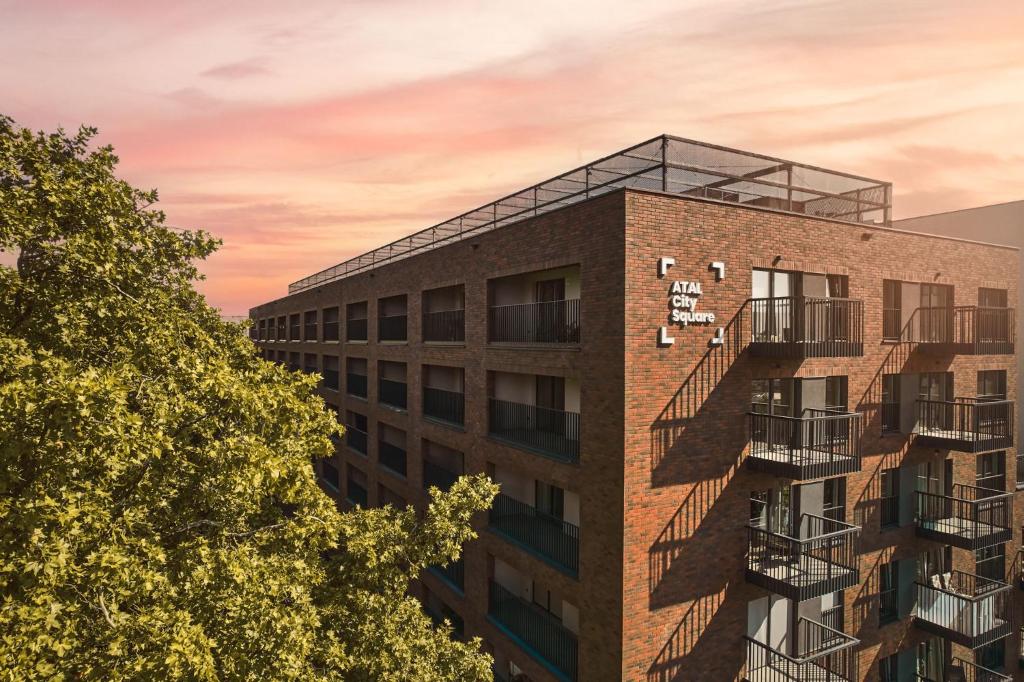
330	330
542	322
970	518
968	330
392	457
965	671
454	573
355	384
964	608
823	655
821	443
355	330
331	477
965	424
443	405
356	439
393	393
437	476
331	379
823	560
392	328
555	433
807	327
444	326
538	630
357	494
552	538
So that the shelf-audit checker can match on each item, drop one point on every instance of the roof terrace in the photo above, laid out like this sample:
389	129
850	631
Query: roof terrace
666	164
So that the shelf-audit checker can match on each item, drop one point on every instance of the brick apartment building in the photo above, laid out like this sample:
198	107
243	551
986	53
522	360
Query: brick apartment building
743	428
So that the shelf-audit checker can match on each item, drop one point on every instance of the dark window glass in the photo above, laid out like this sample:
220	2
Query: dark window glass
888	590
991	471
990	562
835	499
890	403
892	314
890	498
992	384
992	298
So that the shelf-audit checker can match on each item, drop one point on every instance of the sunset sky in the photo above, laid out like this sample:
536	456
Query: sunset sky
304	133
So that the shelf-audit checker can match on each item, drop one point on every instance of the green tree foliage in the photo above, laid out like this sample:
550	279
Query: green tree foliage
160	518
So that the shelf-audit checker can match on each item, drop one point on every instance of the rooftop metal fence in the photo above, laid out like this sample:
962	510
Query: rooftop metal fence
666	164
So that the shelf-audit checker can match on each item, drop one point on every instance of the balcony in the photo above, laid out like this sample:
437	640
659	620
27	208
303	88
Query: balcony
822	443
554	433
970	518
960	670
437	476
392	328
392	457
805	327
393	393
823	655
454	574
355	384
823	562
542	322
555	540
965	424
966	330
444	326
444	406
963	608
536	631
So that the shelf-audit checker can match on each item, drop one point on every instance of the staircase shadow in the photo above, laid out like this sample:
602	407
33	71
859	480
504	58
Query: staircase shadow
695	530
705	403
698	637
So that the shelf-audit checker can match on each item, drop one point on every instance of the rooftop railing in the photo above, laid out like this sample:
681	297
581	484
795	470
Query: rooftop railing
666	164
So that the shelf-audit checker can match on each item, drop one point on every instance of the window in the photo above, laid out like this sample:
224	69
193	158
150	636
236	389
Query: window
309	364
330	475
834	506
935	391
282	329
992	384
992	298
293	362
293	333
890	498
550	499
772	396
991	471
330	324
331	372
836	393
990	562
356	428
355	486
890	403
892	313
888	591
309	330
887	668
356	377
355	321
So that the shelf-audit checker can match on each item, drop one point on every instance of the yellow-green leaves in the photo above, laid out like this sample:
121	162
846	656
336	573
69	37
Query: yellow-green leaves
160	520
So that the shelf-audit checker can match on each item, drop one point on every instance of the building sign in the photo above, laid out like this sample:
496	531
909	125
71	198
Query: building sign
684	298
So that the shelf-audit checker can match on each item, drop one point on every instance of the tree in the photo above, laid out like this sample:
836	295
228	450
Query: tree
160	518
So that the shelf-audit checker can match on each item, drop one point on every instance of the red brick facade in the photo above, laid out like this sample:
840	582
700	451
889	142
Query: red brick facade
663	492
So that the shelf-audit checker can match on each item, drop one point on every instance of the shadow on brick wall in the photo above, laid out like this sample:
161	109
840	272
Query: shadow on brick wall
705	404
702	526
699	636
